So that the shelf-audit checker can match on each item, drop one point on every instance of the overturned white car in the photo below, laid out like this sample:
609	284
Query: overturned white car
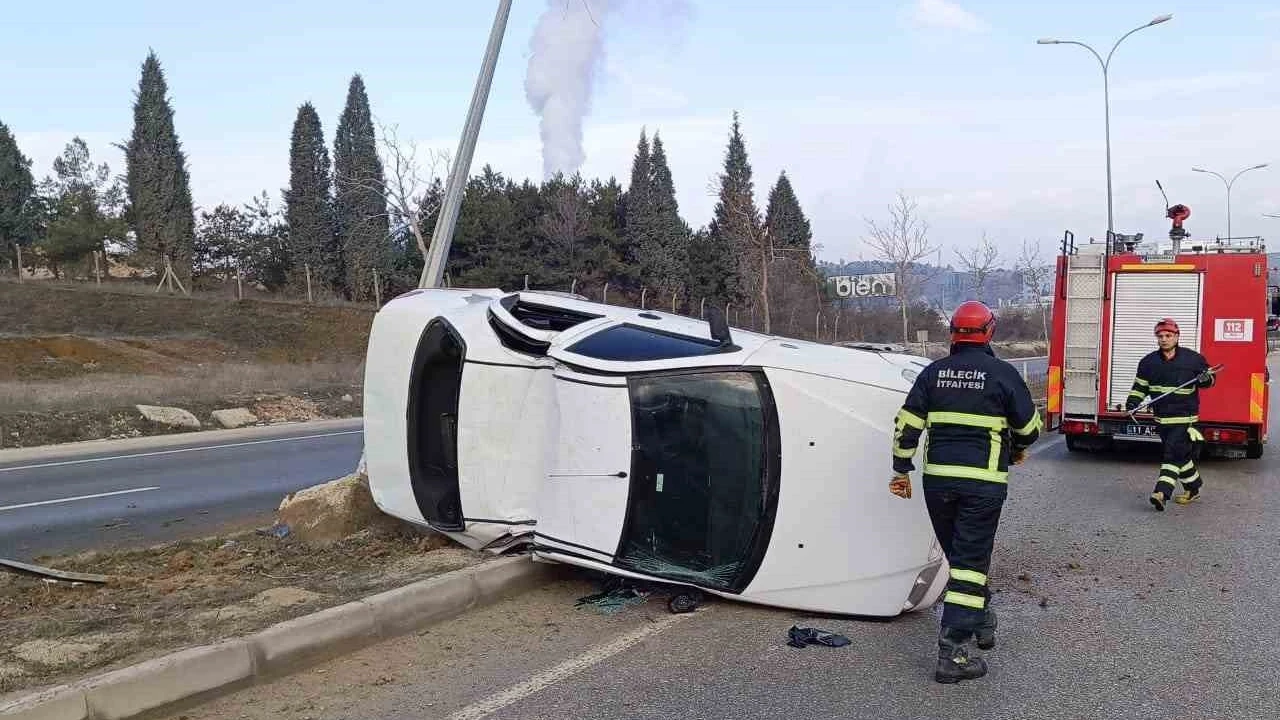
648	445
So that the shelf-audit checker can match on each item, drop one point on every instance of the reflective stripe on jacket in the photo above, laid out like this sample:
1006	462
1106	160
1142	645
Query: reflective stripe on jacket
978	412
1157	375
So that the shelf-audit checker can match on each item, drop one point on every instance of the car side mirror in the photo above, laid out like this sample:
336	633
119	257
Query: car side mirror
719	327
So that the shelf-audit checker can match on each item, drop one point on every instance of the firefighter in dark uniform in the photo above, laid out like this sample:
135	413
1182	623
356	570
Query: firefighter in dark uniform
1162	371
981	419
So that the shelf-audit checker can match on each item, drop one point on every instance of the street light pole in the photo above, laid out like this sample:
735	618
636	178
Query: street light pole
1229	183
438	252
1106	101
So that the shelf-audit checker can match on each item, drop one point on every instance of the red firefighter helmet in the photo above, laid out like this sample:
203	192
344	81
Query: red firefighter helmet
972	322
1167	324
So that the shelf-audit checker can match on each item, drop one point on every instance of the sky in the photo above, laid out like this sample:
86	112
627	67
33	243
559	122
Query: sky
951	102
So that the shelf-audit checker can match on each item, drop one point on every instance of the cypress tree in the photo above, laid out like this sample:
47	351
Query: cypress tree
637	208
309	204
735	227
159	190
666	250
17	193
360	207
788	227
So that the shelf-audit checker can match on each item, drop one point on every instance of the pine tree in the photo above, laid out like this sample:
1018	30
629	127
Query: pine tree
735	228
665	253
309	205
159	189
17	194
360	209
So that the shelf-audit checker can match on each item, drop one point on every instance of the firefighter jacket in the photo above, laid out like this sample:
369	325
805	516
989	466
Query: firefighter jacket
1157	375
977	410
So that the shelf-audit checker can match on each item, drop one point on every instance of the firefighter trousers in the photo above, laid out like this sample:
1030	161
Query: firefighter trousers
965	524
1181	446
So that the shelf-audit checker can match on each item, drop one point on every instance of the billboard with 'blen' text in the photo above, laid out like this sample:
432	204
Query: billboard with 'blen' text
864	286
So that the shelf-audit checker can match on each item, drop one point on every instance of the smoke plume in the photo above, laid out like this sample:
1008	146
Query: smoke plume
567	51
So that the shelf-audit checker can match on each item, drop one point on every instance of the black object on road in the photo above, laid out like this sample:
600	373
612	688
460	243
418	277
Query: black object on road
801	637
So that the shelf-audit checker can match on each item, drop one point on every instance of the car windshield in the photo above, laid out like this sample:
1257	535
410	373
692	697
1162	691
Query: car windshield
702	489
630	343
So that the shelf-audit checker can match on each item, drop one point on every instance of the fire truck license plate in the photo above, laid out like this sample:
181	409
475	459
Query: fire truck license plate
1138	430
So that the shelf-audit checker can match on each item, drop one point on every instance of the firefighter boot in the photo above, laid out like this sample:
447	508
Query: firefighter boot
1191	493
954	662
986	631
1158	499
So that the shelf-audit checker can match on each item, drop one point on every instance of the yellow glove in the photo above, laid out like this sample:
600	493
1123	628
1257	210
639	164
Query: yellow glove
900	485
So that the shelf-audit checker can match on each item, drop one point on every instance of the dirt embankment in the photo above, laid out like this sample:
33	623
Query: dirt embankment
333	546
75	361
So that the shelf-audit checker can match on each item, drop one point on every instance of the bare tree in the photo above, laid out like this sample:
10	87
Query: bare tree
566	221
1035	279
407	183
902	243
979	262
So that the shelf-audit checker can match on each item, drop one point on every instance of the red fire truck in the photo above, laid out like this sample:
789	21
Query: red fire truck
1108	298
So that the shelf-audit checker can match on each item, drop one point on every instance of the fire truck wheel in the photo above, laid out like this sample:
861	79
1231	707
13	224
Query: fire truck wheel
1254	450
1074	444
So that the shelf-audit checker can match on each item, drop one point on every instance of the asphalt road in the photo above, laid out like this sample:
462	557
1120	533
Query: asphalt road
1108	609
129	493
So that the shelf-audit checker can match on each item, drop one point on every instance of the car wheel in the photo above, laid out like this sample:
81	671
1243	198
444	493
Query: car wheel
683	602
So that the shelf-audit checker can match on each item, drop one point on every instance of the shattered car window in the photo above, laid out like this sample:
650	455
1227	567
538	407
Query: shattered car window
629	343
698	496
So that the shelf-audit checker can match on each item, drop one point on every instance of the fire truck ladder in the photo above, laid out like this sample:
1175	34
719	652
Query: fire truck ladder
1086	281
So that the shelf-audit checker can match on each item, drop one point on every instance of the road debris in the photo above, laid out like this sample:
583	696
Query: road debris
46	572
801	637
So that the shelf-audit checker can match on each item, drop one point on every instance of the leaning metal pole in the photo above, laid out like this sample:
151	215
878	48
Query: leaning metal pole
442	236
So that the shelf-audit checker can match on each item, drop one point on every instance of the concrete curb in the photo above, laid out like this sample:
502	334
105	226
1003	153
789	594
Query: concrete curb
197	674
168	441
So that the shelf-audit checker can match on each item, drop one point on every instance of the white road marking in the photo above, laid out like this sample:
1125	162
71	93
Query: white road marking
547	678
78	497
62	463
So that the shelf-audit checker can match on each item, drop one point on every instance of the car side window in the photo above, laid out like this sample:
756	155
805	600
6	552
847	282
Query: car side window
629	343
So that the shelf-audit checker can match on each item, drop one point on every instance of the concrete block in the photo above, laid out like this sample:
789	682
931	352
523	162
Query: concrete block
313	637
408	608
232	418
155	683
171	416
61	703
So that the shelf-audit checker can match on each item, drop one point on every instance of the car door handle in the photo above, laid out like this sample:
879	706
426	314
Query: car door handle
560	473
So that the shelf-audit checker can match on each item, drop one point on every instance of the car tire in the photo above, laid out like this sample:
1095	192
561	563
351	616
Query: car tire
683	602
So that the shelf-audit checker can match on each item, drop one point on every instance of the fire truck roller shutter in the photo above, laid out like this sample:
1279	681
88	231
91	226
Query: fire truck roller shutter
1139	301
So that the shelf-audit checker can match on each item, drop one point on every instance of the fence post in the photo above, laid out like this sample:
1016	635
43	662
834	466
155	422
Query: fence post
19	248
239	285
308	268
526	282
573	287
377	289
605	299
643	290
674	295
97	272
702	309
